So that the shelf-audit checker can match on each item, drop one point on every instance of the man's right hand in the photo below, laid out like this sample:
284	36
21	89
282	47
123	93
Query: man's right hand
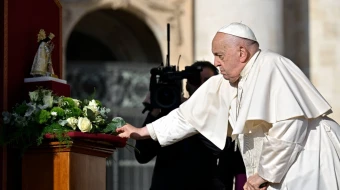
129	131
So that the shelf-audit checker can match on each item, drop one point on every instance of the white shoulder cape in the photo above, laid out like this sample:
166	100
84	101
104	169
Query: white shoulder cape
275	90
207	109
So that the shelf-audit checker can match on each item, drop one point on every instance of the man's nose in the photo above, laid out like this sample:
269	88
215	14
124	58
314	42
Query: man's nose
216	63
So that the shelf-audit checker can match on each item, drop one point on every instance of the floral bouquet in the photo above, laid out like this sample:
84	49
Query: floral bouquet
48	114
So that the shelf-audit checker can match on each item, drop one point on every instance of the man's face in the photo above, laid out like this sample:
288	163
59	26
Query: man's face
226	57
205	74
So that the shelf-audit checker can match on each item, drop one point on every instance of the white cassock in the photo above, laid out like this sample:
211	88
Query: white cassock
278	119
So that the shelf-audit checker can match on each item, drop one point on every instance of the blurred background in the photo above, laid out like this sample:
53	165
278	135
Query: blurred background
111	45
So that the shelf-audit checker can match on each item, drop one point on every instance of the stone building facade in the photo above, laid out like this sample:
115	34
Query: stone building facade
112	44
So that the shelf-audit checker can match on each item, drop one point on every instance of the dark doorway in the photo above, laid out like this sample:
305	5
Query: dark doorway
110	53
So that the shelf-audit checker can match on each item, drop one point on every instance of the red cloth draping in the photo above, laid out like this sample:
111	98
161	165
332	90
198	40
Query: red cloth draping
112	139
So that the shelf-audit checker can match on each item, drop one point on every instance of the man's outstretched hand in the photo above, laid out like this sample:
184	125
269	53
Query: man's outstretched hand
129	131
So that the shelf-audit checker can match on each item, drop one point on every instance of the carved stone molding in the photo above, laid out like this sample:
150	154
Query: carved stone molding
155	13
113	3
79	1
120	4
175	9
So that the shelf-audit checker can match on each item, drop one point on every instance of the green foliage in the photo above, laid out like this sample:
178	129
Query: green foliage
67	102
42	116
114	124
58	112
21	109
46	113
73	112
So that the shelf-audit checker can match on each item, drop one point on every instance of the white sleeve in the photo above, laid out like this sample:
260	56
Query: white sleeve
170	128
281	147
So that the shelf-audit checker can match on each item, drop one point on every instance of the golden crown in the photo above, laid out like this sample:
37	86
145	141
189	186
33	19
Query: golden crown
41	35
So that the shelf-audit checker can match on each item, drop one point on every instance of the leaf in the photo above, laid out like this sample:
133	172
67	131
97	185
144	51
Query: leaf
93	94
85	102
90	115
114	124
119	120
110	128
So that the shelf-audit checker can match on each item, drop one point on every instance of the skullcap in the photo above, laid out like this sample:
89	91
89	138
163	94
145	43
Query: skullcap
239	30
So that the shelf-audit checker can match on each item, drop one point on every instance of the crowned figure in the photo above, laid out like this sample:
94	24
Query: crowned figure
42	63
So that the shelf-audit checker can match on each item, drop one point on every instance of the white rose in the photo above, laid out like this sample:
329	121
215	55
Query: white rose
72	122
93	103
84	124
33	96
77	102
48	101
54	113
92	108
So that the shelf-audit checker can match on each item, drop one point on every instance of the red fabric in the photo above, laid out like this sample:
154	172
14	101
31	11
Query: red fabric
58	88
114	140
240	180
25	19
2	51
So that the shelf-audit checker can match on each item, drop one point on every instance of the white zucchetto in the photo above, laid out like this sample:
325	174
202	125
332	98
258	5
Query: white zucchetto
239	30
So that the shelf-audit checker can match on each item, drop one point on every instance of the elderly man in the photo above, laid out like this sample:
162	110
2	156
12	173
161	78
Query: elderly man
276	116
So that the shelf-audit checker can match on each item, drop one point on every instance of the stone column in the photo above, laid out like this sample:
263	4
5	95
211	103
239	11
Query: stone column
263	16
325	50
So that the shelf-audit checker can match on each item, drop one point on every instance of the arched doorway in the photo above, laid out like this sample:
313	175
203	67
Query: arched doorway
110	52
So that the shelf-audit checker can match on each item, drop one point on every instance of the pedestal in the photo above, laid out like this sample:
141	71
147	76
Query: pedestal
52	165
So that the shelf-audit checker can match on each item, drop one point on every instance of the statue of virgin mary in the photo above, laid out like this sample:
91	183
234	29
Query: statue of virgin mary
42	63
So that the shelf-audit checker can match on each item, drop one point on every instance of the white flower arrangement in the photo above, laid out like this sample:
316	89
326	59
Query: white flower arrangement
46	113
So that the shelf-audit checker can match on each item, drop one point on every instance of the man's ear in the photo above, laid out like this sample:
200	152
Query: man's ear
243	54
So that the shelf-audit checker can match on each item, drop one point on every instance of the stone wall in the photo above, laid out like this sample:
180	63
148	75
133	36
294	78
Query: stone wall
307	32
325	50
155	13
263	16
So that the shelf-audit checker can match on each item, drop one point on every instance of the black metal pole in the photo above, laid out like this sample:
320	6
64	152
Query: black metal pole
168	55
